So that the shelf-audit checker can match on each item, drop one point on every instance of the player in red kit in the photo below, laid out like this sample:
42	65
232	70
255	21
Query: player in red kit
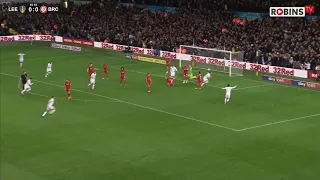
67	85
90	70
199	80
168	63
122	76
185	73
105	71
148	81
170	81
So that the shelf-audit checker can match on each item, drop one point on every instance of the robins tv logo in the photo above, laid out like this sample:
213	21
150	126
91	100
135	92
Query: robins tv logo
291	11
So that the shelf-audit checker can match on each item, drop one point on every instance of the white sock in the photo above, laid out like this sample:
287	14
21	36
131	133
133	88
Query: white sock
44	113
228	100
186	81
92	86
225	100
28	90
23	91
202	84
52	111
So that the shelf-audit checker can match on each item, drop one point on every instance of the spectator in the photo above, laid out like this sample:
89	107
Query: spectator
287	42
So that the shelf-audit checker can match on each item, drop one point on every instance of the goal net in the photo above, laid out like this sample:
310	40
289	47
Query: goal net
213	59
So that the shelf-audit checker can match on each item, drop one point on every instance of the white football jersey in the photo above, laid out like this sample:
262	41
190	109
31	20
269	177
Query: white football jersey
21	56
228	89
51	102
173	69
207	76
29	82
93	76
49	66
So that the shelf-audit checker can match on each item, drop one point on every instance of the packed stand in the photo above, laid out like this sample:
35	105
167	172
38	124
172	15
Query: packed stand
286	42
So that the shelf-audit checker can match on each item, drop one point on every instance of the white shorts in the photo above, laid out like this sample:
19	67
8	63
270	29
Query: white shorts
173	74
21	60
49	108
92	81
49	70
228	96
26	87
205	80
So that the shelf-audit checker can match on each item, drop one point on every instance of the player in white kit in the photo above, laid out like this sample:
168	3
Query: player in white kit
50	108
27	86
228	93
92	80
21	59
49	69
206	78
173	71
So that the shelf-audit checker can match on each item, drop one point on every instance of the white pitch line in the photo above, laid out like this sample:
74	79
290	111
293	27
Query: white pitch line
250	87
279	122
81	100
137	105
49	57
139	72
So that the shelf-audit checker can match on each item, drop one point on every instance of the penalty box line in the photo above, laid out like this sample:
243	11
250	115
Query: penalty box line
80	100
210	85
279	122
137	105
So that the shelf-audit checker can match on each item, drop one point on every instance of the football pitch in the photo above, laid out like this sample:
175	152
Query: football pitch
268	131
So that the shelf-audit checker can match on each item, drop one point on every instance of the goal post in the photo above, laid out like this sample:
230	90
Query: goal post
210	58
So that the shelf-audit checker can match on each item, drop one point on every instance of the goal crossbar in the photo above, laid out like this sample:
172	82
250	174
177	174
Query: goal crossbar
223	60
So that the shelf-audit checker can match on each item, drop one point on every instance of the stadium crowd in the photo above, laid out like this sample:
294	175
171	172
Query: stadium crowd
289	42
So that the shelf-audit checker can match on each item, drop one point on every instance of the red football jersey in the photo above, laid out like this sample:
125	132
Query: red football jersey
122	72
90	69
168	61
105	67
199	77
67	84
148	79
185	70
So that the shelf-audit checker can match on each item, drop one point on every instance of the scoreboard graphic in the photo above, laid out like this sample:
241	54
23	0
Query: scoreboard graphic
30	8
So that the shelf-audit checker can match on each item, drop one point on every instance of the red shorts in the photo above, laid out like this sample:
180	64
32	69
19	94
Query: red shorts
105	71
185	75
67	90
122	77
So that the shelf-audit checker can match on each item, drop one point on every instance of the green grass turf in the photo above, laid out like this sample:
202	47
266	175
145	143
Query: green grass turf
123	133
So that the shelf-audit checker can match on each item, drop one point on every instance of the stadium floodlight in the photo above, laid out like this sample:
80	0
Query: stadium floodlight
213	59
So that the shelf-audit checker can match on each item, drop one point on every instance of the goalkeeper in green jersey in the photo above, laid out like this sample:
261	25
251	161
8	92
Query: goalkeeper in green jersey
191	76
